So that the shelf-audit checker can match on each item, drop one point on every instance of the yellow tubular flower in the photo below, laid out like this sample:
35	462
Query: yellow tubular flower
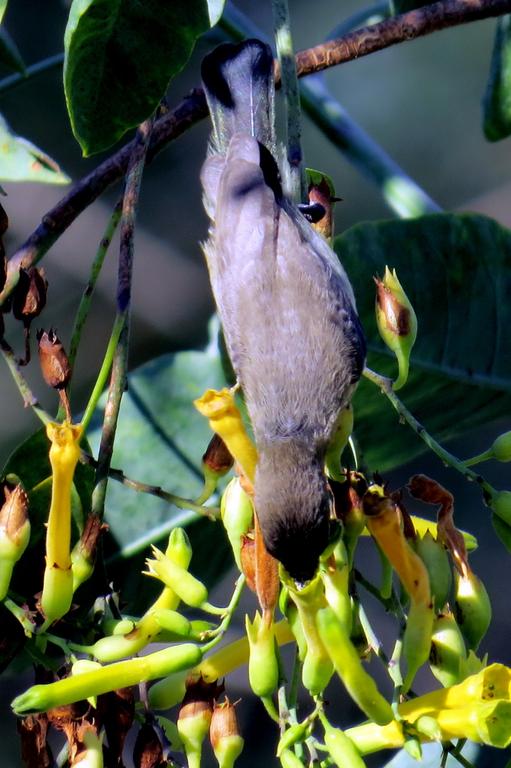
58	577
225	419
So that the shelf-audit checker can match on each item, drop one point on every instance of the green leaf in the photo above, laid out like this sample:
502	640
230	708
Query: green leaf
497	98
160	440
456	270
10	57
3	6
20	160
119	58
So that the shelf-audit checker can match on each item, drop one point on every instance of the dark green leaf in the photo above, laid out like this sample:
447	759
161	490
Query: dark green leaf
119	58
160	440
10	57
456	270
20	160
497	99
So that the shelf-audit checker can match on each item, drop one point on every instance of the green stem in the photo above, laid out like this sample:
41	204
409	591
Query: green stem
485	456
97	264
45	65
21	615
385	385
29	398
104	372
394	669
289	81
218	633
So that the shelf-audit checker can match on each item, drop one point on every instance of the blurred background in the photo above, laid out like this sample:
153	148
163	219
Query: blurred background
421	101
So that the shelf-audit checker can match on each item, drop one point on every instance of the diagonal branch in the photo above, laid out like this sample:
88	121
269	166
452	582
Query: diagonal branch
361	42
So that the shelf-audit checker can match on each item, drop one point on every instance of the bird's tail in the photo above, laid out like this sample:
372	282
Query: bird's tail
240	91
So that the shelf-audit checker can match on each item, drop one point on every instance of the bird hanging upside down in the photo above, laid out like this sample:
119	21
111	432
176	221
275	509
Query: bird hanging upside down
285	303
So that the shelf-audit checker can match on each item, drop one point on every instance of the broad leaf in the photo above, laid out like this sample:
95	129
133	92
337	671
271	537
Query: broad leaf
456	270
160	440
497	98
119	58
20	160
10	57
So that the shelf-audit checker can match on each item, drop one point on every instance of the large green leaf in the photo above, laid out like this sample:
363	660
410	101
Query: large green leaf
456	270
160	440
497	98
119	58
20	160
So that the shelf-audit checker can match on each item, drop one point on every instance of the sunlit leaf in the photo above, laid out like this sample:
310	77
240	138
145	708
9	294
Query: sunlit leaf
20	160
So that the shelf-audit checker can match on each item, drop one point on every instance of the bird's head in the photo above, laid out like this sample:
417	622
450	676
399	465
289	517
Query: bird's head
293	505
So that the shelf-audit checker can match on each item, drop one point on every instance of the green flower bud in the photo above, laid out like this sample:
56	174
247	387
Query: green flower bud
434	556
122	674
263	666
428	726
447	650
501	448
396	320
341	748
288	759
237	516
225	736
317	667
57	594
338	442
172	621
417	640
335	579
473	608
297	732
359	684
14	532
168	692
189	589
501	505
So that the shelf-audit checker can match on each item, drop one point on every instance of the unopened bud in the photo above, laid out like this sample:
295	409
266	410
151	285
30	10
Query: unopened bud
169	691
447	650
29	296
195	718
237	516
53	359
434	556
14	532
340	747
288	759
217	458
501	448
501	505
263	667
83	554
224	734
473	608
396	320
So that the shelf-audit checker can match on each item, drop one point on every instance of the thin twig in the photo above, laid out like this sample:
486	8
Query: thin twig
289	83
29	399
385	384
446	13
120	360
154	490
45	65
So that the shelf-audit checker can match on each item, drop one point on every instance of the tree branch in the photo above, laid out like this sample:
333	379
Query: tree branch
361	42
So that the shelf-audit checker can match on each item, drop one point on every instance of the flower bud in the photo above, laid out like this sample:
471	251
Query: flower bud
396	320
297	732
83	554
288	759
53	360
501	505
14	532
217	458
340	747
472	608
434	556
501	448
335	575
447	650
29	296
224	735
359	684
169	691
237	515
338	442
189	589
195	718
263	666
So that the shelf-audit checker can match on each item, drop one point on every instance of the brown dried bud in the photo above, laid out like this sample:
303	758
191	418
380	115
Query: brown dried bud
53	360
148	750
247	555
35	752
199	696
116	711
217	457
224	726
14	511
29	297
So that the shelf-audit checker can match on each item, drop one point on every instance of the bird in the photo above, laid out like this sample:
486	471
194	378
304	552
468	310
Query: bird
285	304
